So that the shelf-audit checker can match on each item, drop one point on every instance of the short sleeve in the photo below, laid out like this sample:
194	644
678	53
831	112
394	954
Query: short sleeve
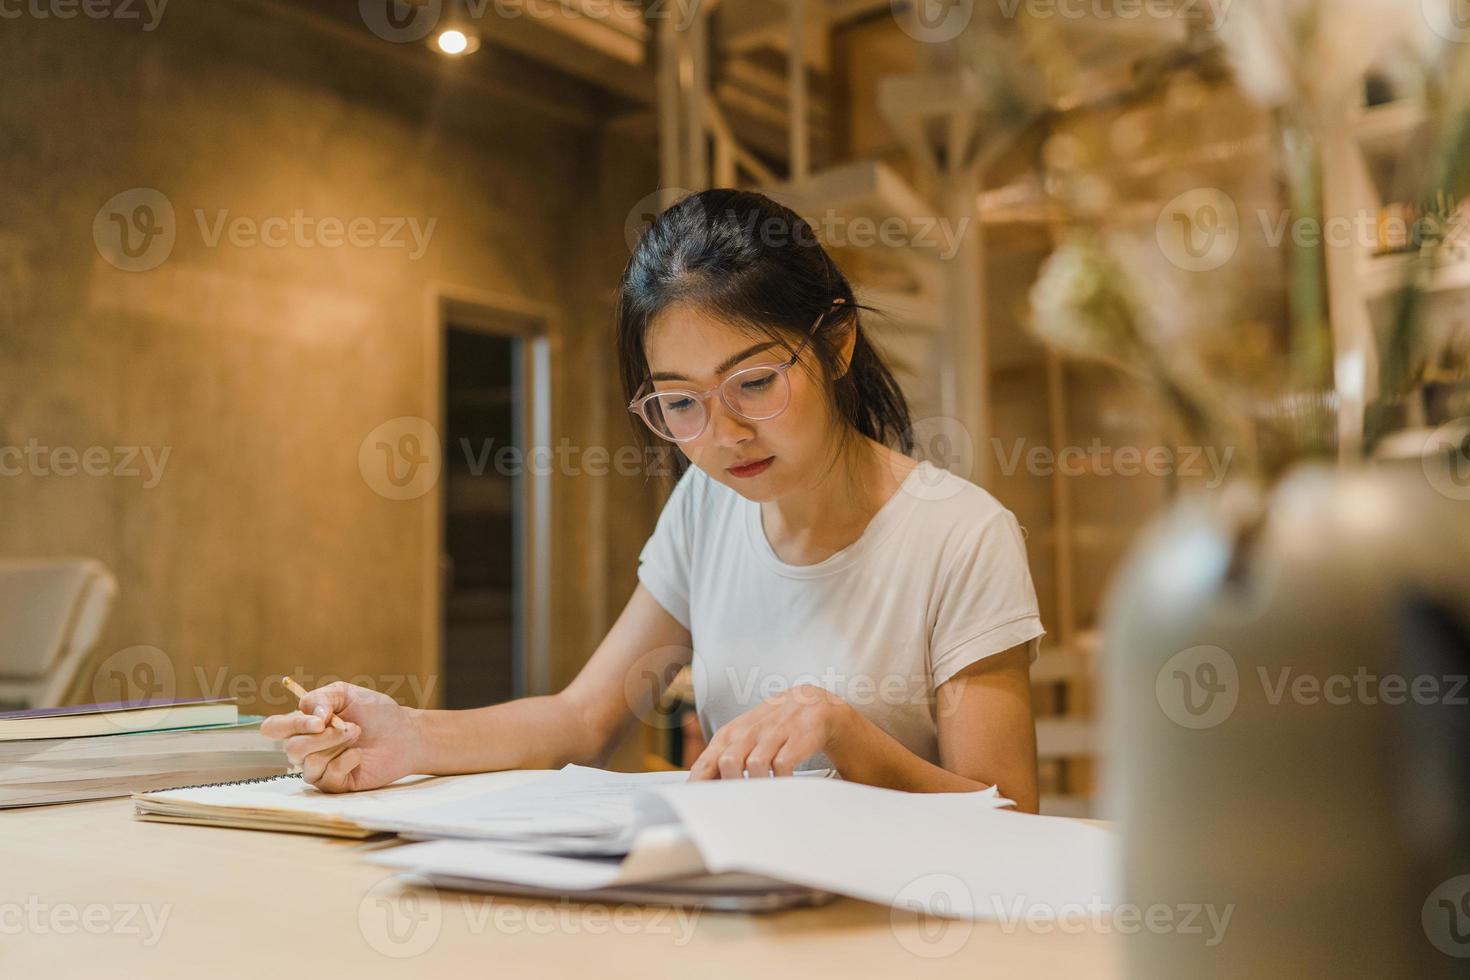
665	561
986	600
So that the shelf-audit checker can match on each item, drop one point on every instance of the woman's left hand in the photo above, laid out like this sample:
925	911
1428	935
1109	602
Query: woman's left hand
777	735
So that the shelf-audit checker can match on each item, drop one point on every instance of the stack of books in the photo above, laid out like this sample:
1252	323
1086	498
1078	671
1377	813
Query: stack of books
98	751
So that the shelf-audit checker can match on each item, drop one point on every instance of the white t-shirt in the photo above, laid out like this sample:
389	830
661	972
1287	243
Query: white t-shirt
937	581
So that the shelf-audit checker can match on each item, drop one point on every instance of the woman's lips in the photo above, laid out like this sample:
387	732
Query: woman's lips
751	469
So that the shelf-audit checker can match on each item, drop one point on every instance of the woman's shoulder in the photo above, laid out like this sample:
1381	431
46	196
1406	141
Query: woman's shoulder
947	498
958	518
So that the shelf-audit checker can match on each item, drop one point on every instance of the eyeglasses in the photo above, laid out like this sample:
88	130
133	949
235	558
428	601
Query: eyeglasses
758	393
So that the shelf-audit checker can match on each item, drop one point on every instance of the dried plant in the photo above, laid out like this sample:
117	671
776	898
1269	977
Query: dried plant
1101	296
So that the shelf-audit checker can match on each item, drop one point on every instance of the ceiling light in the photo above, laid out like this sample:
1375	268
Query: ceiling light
455	42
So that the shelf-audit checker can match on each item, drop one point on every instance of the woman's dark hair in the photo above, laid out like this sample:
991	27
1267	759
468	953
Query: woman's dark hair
744	259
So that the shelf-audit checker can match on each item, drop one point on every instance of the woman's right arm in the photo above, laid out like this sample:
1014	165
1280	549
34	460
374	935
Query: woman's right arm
583	723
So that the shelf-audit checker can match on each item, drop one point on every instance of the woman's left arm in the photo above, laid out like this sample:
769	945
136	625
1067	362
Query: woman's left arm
987	737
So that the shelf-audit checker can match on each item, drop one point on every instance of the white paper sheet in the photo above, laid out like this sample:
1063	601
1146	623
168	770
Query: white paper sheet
958	855
661	853
576	802
950	854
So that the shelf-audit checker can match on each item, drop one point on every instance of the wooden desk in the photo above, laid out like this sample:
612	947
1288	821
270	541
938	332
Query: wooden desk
78	883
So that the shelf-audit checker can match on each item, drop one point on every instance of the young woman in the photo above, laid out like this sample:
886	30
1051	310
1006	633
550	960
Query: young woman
841	605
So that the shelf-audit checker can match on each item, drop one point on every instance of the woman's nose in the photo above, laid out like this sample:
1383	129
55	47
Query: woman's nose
727	428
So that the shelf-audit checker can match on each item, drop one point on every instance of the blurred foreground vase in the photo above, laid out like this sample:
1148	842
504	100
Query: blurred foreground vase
1287	729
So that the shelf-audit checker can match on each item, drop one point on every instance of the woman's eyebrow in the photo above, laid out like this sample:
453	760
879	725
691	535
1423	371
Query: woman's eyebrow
725	365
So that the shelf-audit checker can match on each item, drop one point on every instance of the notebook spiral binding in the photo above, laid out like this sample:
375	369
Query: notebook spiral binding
229	782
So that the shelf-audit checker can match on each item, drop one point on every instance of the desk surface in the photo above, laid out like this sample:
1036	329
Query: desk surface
88	890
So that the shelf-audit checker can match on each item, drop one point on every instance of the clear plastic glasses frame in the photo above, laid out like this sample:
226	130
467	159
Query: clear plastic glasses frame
655	407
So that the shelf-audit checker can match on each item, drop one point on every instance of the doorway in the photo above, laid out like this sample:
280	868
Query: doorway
493	503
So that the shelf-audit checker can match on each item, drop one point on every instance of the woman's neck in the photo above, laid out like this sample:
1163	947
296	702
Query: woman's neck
818	520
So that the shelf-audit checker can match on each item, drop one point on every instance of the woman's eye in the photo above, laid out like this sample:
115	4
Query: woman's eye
758	384
678	404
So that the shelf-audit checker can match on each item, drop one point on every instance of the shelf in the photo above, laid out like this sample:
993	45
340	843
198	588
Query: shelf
1384	131
1074	807
1076	662
1066	737
1385	276
869	189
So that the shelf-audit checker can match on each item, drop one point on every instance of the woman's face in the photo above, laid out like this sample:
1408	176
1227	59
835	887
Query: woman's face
690	350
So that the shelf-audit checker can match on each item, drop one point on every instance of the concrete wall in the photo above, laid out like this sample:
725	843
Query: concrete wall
260	370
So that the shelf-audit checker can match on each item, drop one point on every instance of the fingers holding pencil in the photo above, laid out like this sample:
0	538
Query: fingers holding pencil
346	737
322	703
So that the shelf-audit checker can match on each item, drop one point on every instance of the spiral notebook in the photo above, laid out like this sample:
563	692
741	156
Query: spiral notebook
573	810
288	803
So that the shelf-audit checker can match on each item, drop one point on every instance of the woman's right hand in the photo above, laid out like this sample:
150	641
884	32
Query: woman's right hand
381	743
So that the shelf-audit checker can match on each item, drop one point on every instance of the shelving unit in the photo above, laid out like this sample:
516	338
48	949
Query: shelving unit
1361	170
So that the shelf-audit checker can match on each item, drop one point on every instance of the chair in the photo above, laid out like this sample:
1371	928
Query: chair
52	612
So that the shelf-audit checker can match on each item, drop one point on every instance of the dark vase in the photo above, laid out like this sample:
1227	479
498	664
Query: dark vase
1286	730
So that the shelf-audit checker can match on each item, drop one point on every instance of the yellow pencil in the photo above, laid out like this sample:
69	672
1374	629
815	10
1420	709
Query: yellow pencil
300	692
